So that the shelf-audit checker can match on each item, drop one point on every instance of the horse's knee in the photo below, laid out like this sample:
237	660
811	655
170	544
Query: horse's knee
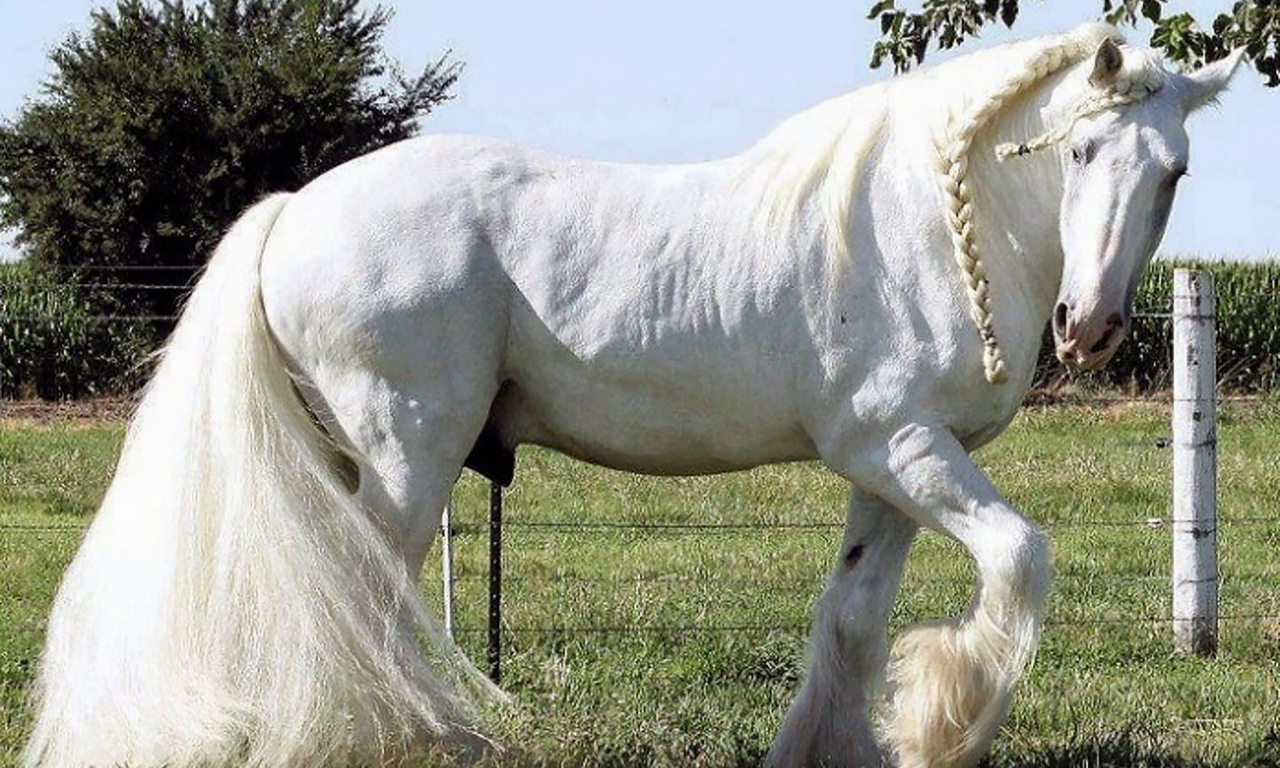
851	619
1015	567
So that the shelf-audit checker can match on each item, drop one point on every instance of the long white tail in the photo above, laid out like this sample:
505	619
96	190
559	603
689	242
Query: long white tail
232	604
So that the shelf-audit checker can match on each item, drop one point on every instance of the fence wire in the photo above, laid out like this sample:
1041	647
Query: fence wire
534	527
613	594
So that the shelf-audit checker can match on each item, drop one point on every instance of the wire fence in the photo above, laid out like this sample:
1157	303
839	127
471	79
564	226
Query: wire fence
483	558
542	607
525	579
143	284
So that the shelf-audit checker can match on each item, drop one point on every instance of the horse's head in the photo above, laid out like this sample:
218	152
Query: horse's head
1122	170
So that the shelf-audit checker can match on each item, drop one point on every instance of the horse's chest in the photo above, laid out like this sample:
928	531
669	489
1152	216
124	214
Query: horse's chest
986	411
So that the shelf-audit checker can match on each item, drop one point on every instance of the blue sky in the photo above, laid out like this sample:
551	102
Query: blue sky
679	80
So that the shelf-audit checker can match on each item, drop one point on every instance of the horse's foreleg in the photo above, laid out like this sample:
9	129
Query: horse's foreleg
951	681
828	722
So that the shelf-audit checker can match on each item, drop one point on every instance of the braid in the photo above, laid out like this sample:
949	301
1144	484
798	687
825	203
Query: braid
951	162
1120	94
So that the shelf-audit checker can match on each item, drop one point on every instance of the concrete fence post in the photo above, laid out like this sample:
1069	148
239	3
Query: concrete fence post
1195	517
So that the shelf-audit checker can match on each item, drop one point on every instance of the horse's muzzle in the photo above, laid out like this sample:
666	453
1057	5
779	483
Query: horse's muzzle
1084	342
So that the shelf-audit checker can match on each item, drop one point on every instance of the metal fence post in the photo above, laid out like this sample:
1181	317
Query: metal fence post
1195	517
495	582
446	564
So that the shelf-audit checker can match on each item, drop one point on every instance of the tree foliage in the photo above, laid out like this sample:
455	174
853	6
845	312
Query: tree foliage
164	120
1253	24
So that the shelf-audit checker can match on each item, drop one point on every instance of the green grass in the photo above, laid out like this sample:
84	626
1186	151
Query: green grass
1107	689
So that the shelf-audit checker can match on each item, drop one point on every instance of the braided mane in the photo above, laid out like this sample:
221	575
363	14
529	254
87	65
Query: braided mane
1141	77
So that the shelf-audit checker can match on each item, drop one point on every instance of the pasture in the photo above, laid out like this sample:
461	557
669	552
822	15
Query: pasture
682	647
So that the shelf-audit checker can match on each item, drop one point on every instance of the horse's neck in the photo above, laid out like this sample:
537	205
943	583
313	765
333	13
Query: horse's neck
1021	214
1016	211
1017	205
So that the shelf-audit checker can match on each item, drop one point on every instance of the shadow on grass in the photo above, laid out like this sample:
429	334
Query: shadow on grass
65	505
1136	748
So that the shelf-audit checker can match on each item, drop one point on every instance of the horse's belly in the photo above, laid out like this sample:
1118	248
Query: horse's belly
646	429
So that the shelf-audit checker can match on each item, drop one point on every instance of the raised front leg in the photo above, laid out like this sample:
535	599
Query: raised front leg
950	681
828	723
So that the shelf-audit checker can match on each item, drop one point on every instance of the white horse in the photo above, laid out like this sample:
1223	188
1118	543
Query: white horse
866	286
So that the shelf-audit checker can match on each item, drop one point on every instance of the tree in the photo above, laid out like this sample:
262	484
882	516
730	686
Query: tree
1253	24
165	120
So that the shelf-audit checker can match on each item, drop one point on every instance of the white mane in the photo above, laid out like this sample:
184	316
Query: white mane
817	152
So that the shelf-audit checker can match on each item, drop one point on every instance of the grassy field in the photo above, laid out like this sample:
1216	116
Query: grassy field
675	647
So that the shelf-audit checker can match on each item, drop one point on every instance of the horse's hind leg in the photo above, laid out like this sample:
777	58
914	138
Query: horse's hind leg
827	724
410	442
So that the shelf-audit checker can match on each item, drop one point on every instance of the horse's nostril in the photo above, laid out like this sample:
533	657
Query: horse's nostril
1115	321
1060	319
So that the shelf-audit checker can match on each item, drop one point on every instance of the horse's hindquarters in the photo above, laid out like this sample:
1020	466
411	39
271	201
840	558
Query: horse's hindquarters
238	606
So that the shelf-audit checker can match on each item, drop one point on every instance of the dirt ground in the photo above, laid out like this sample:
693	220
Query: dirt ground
121	408
45	412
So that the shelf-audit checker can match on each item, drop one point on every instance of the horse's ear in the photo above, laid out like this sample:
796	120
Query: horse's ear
1106	64
1204	84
